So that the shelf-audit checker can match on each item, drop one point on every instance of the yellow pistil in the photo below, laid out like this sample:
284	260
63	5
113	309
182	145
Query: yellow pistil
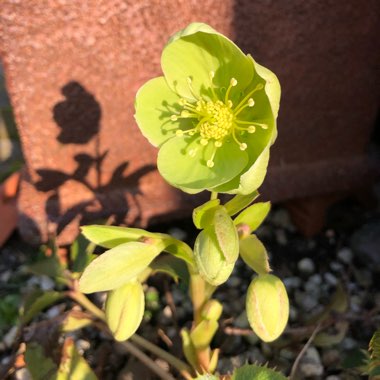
216	119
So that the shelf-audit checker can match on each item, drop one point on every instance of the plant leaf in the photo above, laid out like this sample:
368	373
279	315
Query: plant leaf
172	266
254	215
202	215
254	254
240	202
118	266
255	372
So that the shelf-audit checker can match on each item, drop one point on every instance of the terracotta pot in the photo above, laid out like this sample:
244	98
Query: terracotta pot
8	206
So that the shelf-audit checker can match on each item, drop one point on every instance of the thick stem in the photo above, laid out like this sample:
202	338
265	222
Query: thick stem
214	195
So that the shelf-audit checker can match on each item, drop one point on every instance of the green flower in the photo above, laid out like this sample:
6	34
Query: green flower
212	114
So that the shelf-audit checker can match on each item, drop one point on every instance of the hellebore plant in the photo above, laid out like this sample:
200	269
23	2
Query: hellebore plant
213	117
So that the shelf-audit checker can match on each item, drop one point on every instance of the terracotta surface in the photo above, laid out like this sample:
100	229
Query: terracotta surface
72	70
8	208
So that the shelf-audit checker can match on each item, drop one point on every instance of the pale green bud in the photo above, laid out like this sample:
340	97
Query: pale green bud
267	307
124	310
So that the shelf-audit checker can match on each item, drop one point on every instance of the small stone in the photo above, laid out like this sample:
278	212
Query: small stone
282	219
53	312
336	267
177	233
330	279
10	336
281	237
255	356
305	301
365	242
46	283
288	354
345	255
306	266
241	321
292	283
5	276
293	313
22	374
82	345
332	377
310	364
167	312
315	279
331	357
252	339
232	345
348	343
234	282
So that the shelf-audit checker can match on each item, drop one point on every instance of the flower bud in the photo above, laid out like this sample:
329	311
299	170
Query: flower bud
124	310
267	307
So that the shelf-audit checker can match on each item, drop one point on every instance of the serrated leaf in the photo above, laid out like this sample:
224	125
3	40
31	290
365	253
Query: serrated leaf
172	266
73	366
374	345
240	202
202	215
254	254
254	215
39	365
226	234
125	309
39	303
118	266
255	372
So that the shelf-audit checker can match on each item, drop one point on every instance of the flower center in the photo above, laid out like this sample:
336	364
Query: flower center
217	119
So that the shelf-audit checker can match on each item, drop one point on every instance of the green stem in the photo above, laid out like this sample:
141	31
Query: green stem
214	195
146	360
87	304
182	367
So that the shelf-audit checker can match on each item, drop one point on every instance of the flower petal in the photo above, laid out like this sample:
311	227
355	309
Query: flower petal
197	51
190	172
155	103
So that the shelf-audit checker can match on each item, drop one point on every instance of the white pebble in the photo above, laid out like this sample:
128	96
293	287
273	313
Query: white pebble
306	266
345	255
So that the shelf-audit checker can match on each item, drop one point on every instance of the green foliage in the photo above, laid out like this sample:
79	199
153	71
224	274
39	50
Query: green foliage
9	306
254	254
253	216
255	372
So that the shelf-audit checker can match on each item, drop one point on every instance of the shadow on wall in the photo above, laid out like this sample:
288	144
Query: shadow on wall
78	118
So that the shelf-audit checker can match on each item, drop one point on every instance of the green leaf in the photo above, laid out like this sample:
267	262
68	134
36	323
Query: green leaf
155	104
37	302
180	169
254	215
81	254
324	339
226	234
374	345
255	372
118	266
125	309
49	267
209	258
196	52
254	254
39	365
203	214
75	320
172	266
112	236
240	202
73	366
188	349
179	249
203	333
